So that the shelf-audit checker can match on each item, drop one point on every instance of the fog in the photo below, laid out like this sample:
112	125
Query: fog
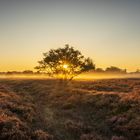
90	76
85	76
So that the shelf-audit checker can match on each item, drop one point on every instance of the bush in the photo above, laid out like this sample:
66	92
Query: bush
41	135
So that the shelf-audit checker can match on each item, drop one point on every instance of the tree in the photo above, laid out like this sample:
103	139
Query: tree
100	70
27	72
114	69
137	71
64	63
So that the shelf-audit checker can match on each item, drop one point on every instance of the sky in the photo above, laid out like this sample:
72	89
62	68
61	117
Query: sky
108	31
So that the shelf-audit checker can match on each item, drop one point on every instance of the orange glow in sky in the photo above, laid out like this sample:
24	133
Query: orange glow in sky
108	32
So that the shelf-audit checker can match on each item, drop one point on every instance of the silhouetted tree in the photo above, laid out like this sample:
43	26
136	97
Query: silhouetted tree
12	72
137	71
114	69
65	63
27	72
99	70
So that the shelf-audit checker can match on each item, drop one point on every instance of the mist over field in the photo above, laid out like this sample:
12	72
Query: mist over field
92	76
85	76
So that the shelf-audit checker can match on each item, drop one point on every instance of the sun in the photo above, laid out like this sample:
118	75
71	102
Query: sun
65	66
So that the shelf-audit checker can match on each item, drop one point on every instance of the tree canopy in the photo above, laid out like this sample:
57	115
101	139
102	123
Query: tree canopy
64	63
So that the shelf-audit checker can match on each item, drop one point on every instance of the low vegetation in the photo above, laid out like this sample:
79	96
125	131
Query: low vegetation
81	110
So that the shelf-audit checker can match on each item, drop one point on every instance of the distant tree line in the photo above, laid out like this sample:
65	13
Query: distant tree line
26	72
111	69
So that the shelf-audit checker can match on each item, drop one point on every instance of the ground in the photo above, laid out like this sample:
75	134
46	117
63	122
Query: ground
82	110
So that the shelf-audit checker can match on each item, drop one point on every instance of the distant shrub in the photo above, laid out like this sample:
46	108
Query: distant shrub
41	135
118	138
74	127
68	106
92	136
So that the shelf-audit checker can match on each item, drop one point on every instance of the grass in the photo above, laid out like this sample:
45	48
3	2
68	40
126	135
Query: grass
82	110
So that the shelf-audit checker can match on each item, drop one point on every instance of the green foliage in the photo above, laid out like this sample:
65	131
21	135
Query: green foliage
65	63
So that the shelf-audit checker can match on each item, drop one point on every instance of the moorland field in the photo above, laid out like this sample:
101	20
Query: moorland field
41	109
